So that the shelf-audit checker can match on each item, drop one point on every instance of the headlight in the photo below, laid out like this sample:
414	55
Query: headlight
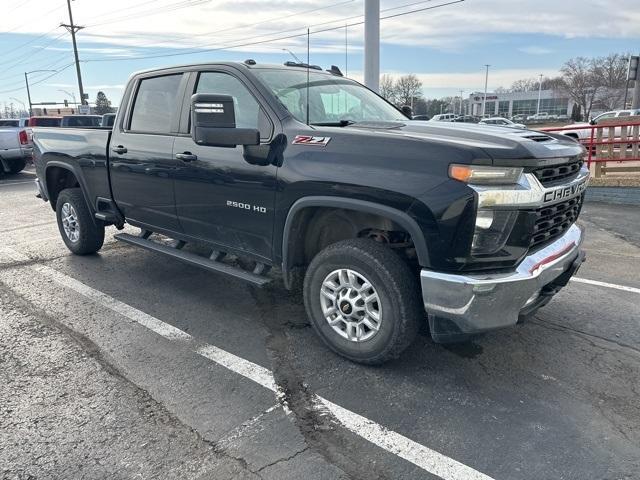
485	175
493	227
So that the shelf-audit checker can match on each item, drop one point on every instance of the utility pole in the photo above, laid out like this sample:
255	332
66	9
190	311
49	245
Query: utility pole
539	94
486	82
372	44
72	29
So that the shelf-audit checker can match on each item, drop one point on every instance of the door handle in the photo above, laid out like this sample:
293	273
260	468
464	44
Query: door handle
119	149
186	157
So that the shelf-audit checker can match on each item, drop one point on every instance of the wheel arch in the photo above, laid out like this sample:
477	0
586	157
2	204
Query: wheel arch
306	206
60	175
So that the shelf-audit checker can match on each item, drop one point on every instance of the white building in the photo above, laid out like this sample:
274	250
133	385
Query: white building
519	103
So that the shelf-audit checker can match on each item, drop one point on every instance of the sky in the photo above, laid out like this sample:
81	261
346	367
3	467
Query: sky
445	42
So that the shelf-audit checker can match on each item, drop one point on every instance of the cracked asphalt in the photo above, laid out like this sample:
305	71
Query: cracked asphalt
87	393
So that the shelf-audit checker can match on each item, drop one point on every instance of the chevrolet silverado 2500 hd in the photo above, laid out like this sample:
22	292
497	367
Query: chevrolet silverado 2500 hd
379	219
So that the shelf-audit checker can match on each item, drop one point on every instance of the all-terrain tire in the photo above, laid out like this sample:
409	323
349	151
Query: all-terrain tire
399	306
17	165
82	234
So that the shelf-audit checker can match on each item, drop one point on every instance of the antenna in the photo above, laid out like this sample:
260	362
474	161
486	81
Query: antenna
308	35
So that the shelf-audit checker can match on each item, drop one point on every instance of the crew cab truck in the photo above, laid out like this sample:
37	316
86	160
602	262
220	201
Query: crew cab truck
15	149
382	222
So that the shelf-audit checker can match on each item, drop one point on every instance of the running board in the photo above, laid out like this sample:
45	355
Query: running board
193	259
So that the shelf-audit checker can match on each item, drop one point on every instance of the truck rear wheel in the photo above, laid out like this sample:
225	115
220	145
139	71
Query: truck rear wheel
80	232
363	301
17	165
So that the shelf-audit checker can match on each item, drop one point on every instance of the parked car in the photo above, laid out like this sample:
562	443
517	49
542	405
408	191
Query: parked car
539	117
15	149
519	118
467	119
14	122
444	117
225	155
108	119
421	117
503	122
45	121
581	131
81	121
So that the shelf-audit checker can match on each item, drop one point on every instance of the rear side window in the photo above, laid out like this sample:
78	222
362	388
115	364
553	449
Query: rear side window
154	104
9	123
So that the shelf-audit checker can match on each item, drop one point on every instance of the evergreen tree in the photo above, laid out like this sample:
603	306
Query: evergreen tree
103	104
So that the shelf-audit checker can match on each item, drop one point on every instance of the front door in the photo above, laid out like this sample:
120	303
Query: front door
142	164
220	197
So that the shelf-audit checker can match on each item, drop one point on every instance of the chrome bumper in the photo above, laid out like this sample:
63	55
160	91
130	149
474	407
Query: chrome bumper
479	302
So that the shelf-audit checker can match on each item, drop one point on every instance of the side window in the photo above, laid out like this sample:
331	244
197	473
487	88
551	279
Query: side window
624	114
605	116
246	107
154	104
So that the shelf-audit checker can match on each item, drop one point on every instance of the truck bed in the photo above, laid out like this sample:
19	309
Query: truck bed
85	150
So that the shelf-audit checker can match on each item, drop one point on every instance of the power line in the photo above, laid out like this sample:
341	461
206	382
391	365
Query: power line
42	79
228	47
248	25
154	11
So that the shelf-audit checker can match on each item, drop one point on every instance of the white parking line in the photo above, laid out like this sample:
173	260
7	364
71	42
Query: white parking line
605	284
16	183
393	442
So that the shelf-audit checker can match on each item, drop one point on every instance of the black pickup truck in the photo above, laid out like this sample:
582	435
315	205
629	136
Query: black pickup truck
383	222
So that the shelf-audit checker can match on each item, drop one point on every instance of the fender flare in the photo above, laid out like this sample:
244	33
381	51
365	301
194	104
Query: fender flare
398	216
79	178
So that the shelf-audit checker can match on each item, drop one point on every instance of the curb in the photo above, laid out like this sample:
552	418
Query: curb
615	195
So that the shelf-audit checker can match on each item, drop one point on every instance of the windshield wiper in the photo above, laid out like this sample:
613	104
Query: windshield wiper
339	123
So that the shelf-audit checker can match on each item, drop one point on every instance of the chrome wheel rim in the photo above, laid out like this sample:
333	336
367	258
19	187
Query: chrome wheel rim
70	223
351	305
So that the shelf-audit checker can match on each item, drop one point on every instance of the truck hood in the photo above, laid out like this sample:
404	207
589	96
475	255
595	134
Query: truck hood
498	143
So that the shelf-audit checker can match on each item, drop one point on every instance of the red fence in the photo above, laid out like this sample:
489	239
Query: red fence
611	145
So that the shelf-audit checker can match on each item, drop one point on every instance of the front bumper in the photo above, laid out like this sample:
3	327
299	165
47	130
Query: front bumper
460	305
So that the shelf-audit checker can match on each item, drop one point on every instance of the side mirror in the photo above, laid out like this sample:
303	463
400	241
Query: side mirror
592	122
213	122
408	112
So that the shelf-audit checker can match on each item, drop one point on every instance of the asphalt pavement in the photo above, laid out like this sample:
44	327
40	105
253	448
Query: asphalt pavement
125	364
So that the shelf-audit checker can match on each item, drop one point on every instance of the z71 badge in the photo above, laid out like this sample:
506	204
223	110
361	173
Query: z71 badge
309	140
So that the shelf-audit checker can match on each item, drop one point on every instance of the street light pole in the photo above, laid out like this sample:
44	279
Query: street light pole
372	44
539	94
26	81
486	82
73	95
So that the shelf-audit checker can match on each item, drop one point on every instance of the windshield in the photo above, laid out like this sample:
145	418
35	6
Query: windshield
332	100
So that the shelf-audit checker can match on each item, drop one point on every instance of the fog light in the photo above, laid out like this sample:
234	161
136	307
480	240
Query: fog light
493	228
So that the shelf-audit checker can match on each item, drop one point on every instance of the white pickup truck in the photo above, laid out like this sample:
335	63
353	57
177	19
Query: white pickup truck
582	131
15	149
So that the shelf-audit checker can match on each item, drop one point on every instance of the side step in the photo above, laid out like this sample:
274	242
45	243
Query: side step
192	259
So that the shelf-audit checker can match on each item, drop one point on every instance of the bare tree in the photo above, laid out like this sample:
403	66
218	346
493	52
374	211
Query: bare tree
524	85
610	73
388	88
580	83
409	88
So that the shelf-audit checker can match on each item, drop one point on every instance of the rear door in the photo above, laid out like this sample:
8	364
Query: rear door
142	165
220	197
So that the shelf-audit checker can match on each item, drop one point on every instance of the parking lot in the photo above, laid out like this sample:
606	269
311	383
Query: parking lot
125	364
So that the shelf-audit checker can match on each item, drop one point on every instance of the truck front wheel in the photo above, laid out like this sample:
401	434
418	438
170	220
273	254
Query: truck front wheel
363	301
80	232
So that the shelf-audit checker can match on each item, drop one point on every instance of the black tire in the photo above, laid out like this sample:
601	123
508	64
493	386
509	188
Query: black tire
17	165
397	289
90	232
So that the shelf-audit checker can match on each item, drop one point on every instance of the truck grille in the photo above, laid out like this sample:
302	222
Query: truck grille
548	175
556	219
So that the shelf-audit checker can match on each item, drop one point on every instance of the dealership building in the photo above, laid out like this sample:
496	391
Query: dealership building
519	103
